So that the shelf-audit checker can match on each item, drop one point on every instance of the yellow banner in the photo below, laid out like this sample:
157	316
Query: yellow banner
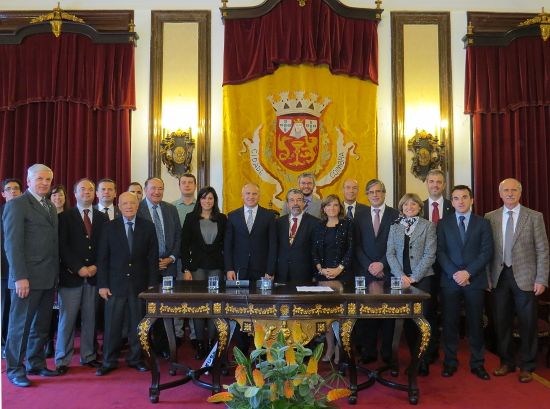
299	119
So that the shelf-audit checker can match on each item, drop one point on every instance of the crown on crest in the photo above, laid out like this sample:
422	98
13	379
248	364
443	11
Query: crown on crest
300	104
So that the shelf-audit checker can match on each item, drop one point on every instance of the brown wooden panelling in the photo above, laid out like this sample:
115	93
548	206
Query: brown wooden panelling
268	5
158	18
101	20
398	20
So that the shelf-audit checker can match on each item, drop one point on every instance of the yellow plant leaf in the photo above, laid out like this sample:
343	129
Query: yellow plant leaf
312	366
259	336
289	389
338	394
258	378
273	389
240	375
220	397
290	356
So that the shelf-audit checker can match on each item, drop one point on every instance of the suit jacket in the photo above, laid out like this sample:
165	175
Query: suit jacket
126	273
448	208
172	231
473	255
250	254
294	261
31	242
343	245
313	208
529	249
359	209
422	249
370	248
76	248
195	253
118	213
4	266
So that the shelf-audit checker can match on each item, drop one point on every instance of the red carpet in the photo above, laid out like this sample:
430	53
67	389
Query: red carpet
126	388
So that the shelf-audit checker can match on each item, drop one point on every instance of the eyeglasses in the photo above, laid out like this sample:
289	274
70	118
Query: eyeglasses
12	189
374	192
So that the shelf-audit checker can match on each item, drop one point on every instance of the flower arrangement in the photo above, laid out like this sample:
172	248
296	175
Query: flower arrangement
279	375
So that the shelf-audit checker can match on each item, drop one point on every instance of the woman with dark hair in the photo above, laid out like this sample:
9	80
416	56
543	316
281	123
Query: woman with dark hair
58	196
332	251
202	251
411	252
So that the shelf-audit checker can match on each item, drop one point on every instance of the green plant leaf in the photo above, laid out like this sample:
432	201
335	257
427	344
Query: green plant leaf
251	391
318	351
240	357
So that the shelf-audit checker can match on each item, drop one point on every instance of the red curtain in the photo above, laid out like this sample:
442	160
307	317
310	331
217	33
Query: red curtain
508	95
66	102
291	34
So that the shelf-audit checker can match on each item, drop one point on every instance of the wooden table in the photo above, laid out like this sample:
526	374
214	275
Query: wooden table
280	307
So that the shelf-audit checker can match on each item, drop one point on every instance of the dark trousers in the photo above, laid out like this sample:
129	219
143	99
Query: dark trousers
509	300
366	336
473	304
115	310
29	325
6	297
412	333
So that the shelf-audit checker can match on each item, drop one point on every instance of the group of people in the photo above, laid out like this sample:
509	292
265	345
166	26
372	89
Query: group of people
436	245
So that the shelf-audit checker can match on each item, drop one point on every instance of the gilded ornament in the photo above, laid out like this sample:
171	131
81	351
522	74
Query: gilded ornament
425	332
184	308
143	331
285	310
55	18
345	334
176	152
428	154
217	308
251	309
543	21
384	309
317	309
417	308
223	334
352	309
151	308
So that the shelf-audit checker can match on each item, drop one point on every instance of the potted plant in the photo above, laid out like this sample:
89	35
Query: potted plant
280	374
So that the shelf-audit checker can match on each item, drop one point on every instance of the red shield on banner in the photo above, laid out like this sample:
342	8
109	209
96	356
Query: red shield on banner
297	141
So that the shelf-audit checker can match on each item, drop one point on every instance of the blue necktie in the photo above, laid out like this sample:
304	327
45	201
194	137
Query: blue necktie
160	231
350	213
130	234
462	228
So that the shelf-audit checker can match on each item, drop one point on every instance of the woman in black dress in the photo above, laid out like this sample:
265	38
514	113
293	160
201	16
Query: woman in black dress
332	252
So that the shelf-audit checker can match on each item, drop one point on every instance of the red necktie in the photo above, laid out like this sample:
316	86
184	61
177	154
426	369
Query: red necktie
293	229
435	212
87	222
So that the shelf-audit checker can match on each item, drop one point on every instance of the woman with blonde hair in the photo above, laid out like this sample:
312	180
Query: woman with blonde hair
411	252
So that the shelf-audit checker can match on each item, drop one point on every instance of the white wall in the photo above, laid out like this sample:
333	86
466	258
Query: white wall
140	118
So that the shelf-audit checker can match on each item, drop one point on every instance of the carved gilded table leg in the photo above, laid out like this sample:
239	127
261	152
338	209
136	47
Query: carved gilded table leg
144	335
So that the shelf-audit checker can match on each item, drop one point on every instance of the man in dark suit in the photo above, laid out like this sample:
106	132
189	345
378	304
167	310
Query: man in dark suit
518	274
436	208
294	231
352	208
250	239
106	194
79	234
32	249
167	224
464	247
168	229
250	244
11	188
372	228
127	264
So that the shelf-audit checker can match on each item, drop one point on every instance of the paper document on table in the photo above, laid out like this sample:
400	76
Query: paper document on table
314	289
